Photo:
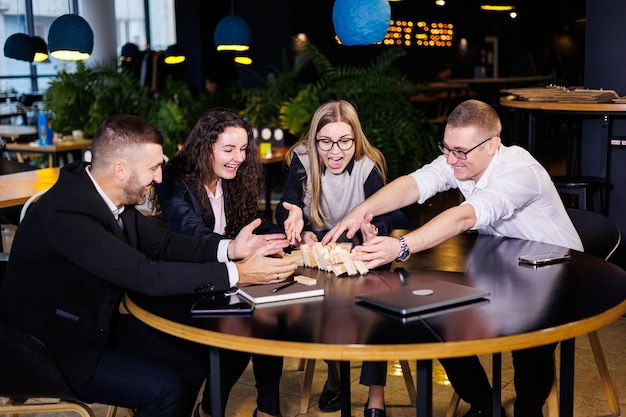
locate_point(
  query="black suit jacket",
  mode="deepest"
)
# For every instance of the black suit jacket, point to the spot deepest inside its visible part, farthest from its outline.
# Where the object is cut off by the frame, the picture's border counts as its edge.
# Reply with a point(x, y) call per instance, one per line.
point(182, 210)
point(70, 264)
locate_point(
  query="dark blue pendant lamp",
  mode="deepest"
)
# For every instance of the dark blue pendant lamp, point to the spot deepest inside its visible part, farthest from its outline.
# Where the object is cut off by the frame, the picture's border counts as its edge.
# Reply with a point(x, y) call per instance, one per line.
point(174, 54)
point(130, 52)
point(19, 46)
point(70, 38)
point(232, 33)
point(40, 48)
point(361, 22)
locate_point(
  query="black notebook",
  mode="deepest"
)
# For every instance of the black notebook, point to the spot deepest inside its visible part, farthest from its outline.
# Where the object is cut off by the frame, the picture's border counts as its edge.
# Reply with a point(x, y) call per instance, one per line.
point(265, 293)
point(423, 297)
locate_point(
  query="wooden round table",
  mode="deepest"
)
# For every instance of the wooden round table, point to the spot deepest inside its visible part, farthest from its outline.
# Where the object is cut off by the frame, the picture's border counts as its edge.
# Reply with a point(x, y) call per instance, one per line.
point(527, 307)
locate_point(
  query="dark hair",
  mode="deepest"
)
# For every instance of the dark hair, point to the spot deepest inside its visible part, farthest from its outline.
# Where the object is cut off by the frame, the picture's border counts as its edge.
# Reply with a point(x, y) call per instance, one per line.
point(116, 137)
point(194, 164)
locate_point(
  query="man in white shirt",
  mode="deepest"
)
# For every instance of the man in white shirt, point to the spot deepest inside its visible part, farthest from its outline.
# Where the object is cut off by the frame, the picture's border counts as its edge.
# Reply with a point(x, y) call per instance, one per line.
point(507, 193)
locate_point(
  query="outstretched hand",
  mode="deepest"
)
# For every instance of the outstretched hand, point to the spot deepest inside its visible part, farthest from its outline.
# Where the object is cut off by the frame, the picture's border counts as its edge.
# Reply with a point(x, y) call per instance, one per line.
point(351, 223)
point(377, 251)
point(246, 241)
point(294, 223)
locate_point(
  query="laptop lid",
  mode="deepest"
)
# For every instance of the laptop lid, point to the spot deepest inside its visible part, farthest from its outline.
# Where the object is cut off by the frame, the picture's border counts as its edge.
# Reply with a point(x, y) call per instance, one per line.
point(423, 297)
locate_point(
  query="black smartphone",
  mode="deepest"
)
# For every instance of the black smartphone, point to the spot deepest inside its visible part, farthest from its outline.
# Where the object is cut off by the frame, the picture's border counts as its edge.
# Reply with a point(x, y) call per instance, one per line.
point(219, 304)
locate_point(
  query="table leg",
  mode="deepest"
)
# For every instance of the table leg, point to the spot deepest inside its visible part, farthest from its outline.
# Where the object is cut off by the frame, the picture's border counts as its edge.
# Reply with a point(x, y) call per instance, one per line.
point(424, 388)
point(216, 396)
point(566, 400)
point(344, 377)
point(496, 379)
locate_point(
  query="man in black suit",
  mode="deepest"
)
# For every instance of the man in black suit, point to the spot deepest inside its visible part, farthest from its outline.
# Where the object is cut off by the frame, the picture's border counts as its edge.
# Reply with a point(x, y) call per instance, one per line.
point(83, 244)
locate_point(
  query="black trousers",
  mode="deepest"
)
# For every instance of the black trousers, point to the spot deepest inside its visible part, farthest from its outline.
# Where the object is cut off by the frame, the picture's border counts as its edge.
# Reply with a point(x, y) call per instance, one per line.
point(147, 371)
point(156, 374)
point(533, 378)
point(267, 372)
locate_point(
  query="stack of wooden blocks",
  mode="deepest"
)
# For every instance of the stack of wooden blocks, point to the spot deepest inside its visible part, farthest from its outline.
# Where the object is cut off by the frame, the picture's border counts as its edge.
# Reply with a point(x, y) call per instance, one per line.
point(334, 257)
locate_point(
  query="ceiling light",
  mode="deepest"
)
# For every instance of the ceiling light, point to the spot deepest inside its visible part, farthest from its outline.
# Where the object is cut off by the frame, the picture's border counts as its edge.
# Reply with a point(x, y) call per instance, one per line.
point(232, 34)
point(40, 48)
point(19, 46)
point(129, 52)
point(497, 7)
point(243, 60)
point(174, 54)
point(70, 38)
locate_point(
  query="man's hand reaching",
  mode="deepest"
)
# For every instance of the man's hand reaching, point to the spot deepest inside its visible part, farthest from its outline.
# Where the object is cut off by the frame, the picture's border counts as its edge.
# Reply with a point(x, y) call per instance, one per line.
point(246, 241)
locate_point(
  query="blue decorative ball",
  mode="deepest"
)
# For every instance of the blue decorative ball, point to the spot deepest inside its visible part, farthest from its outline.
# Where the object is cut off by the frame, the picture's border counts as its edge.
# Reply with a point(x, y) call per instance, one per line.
point(361, 22)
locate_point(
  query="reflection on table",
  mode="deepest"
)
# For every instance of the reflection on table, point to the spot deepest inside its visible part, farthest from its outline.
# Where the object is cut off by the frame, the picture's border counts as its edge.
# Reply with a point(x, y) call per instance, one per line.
point(527, 307)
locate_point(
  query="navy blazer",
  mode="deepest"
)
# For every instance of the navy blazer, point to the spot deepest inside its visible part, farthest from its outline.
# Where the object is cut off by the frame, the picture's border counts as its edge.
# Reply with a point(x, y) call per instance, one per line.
point(182, 211)
point(71, 262)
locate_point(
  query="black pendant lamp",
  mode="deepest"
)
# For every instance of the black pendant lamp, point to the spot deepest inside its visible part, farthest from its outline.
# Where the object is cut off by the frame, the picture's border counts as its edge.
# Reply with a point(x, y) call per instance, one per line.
point(40, 48)
point(174, 54)
point(19, 46)
point(70, 38)
point(130, 52)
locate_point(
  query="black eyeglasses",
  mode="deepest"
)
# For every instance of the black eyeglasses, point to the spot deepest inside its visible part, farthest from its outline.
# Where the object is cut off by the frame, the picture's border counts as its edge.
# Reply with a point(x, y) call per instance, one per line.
point(344, 144)
point(458, 154)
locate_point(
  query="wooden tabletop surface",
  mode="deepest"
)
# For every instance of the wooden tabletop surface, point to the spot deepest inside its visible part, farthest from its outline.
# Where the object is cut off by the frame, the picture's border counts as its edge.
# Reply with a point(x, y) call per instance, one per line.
point(16, 188)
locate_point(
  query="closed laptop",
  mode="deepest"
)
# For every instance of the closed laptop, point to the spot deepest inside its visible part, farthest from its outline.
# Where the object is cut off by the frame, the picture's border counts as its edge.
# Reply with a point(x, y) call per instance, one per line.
point(423, 297)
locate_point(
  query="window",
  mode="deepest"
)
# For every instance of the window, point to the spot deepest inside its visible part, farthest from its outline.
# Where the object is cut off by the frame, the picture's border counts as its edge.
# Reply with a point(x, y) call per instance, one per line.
point(17, 77)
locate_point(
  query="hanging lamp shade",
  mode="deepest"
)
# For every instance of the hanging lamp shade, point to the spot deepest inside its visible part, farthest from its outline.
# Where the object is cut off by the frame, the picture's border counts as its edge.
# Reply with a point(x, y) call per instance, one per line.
point(40, 48)
point(70, 38)
point(174, 54)
point(361, 22)
point(130, 52)
point(232, 33)
point(19, 46)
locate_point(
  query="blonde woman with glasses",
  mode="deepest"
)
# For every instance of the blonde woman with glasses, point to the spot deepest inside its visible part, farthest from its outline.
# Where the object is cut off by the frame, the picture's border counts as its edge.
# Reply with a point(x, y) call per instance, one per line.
point(332, 170)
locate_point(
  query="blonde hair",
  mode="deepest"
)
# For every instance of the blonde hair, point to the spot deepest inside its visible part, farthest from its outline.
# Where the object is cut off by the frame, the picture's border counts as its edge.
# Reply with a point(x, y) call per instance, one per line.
point(333, 112)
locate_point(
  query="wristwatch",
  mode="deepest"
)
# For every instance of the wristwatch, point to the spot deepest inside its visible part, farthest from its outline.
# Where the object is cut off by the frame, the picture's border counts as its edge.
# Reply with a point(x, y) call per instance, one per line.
point(404, 250)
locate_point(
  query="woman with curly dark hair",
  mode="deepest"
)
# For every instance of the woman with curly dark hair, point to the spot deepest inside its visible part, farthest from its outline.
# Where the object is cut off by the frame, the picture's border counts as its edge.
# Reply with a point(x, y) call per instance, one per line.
point(212, 186)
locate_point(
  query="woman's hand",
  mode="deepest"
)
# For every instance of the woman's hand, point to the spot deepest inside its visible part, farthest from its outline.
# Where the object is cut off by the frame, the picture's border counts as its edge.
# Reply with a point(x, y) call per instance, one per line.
point(309, 238)
point(294, 223)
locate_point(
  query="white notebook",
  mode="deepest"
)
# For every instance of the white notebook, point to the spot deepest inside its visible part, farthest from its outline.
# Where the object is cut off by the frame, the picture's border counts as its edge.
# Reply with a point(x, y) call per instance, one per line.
point(264, 293)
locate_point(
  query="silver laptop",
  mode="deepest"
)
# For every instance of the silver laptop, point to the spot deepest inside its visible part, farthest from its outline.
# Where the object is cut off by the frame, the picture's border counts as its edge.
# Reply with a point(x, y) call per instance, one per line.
point(423, 297)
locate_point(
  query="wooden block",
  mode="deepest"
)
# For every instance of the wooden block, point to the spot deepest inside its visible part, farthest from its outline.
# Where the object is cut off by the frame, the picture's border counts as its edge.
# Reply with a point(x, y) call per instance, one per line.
point(360, 266)
point(348, 263)
point(296, 255)
point(305, 280)
point(339, 269)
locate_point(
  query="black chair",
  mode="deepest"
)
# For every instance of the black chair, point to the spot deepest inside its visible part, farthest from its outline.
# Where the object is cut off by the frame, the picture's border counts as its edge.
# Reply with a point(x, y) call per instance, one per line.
point(28, 371)
point(584, 189)
point(600, 237)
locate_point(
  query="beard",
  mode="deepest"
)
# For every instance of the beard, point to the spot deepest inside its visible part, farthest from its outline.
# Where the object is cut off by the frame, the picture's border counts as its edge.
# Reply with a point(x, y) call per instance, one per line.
point(134, 192)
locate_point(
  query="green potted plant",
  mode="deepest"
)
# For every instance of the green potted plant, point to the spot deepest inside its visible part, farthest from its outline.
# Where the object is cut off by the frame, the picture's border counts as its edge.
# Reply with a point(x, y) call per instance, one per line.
point(82, 99)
